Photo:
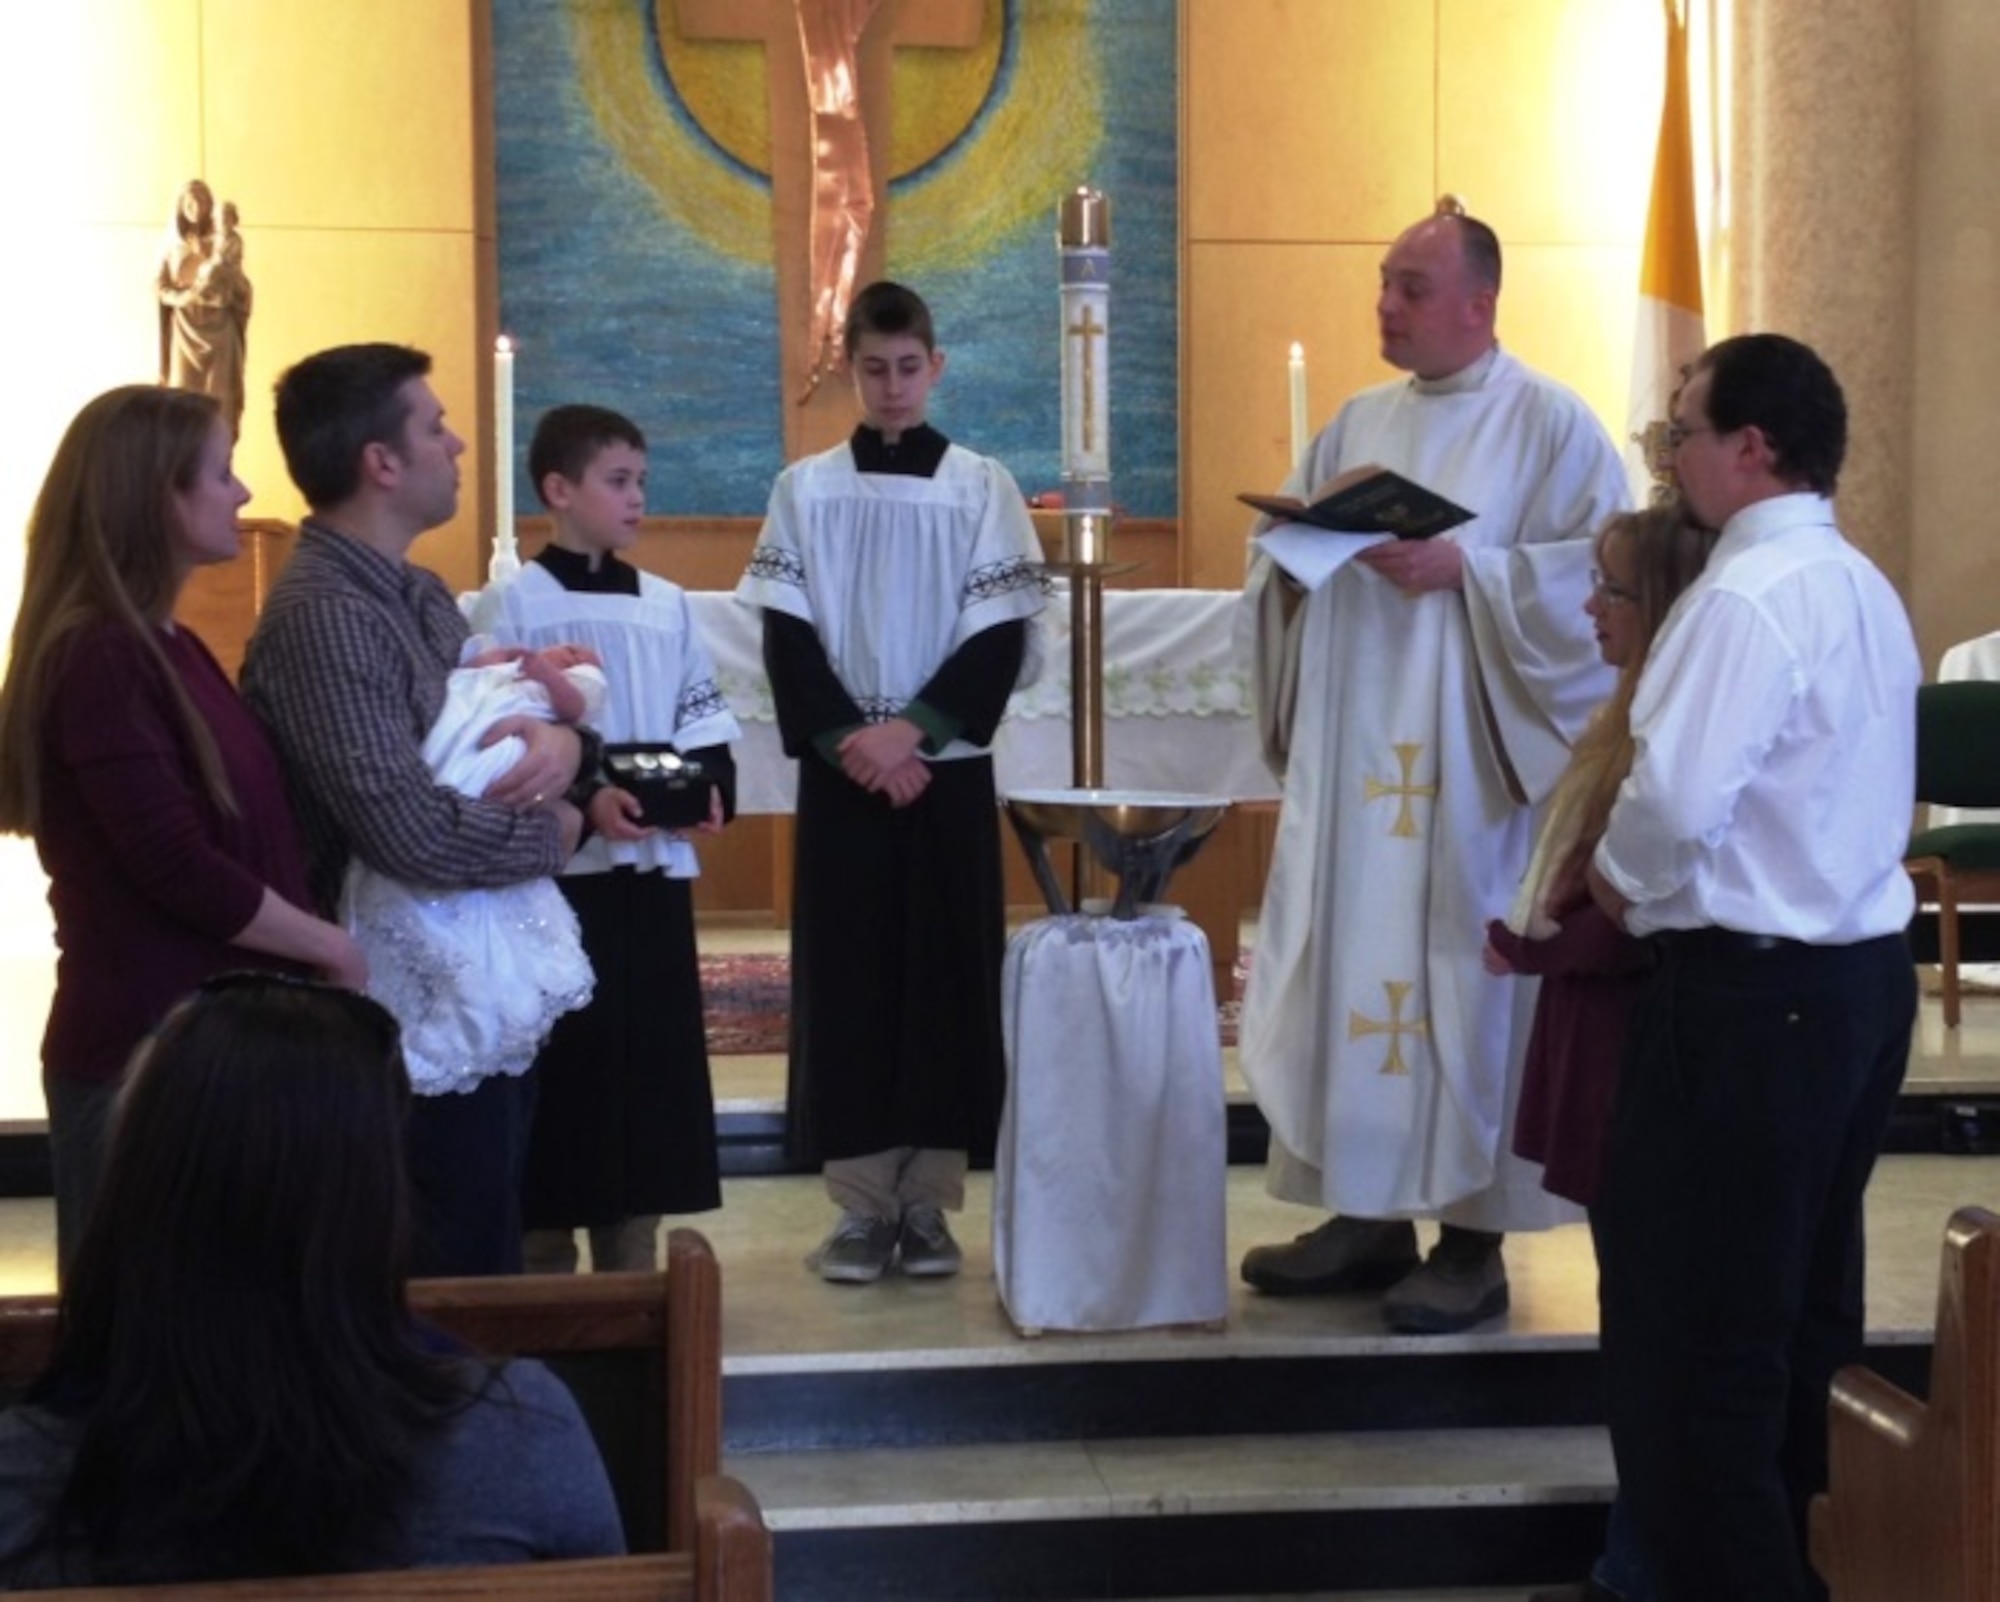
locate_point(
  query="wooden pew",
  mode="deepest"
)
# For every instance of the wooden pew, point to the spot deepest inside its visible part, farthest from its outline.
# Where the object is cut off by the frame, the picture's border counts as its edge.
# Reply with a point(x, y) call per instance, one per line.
point(729, 1562)
point(1913, 1504)
point(641, 1352)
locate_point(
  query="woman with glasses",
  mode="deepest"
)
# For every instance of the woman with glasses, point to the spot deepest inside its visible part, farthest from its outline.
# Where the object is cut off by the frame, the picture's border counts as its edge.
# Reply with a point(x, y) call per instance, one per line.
point(155, 800)
point(239, 1388)
point(1591, 970)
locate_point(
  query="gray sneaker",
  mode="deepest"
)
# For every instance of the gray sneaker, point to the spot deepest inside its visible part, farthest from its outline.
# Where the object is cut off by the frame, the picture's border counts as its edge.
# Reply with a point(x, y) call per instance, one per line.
point(857, 1252)
point(925, 1248)
point(1343, 1254)
point(1463, 1282)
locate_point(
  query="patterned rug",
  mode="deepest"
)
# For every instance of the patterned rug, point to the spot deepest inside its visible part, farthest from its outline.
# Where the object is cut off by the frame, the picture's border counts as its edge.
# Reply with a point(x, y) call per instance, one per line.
point(747, 1002)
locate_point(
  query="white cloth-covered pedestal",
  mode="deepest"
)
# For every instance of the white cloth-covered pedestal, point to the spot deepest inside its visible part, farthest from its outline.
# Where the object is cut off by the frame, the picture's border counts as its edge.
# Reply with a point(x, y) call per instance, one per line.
point(1108, 1186)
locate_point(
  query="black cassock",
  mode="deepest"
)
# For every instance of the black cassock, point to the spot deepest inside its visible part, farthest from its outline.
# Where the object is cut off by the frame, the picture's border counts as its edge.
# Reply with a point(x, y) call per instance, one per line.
point(899, 925)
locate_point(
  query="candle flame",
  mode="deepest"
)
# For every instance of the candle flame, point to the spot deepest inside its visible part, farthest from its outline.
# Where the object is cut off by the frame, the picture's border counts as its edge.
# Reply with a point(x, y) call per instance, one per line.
point(503, 346)
point(1298, 351)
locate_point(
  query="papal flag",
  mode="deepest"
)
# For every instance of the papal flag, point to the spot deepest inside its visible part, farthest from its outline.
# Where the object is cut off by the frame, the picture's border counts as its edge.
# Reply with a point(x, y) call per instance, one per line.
point(1669, 334)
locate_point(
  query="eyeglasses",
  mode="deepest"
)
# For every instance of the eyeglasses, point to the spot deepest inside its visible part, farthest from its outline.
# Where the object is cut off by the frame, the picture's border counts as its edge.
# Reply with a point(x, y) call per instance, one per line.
point(1678, 434)
point(1605, 593)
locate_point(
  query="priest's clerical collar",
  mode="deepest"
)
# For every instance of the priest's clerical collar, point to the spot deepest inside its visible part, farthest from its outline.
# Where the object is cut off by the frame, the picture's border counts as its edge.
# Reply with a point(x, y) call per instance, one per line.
point(1470, 376)
point(915, 455)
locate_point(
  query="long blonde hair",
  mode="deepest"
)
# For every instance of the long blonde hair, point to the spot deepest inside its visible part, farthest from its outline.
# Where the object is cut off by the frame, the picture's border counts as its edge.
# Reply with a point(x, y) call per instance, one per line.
point(100, 548)
point(1668, 553)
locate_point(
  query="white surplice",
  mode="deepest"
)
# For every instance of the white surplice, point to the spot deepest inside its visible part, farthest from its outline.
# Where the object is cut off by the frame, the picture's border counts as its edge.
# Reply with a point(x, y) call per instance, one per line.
point(895, 573)
point(1409, 731)
point(652, 651)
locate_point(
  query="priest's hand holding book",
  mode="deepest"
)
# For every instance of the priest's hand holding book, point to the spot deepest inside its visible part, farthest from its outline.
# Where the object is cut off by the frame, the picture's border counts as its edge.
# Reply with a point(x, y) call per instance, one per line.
point(1417, 567)
point(1368, 514)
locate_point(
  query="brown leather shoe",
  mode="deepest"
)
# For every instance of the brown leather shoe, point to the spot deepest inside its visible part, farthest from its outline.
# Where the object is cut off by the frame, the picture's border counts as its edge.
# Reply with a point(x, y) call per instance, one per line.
point(1463, 1282)
point(1343, 1254)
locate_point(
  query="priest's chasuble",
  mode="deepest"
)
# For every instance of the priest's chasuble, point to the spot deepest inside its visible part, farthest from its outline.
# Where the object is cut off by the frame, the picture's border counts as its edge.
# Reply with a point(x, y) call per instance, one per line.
point(1414, 736)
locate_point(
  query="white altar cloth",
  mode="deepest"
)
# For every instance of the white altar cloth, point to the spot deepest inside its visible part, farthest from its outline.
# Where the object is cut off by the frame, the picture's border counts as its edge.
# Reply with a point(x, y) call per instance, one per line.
point(1177, 709)
point(1109, 1179)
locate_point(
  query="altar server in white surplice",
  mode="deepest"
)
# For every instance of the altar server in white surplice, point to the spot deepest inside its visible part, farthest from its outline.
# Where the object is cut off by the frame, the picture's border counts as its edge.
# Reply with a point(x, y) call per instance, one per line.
point(1416, 705)
point(898, 576)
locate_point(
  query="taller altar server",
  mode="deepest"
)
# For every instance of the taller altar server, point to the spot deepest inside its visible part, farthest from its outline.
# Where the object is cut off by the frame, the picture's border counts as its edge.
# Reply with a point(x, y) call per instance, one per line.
point(898, 574)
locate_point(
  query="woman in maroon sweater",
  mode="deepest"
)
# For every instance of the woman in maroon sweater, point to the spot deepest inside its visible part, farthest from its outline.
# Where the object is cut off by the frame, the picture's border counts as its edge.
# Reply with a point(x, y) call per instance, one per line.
point(155, 800)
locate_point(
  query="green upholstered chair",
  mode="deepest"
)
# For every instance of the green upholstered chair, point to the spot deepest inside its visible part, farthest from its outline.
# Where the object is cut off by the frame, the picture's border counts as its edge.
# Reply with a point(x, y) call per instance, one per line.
point(1958, 765)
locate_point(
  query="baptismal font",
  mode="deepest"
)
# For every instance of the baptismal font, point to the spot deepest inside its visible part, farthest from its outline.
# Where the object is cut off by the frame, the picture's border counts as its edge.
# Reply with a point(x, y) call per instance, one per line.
point(1108, 1183)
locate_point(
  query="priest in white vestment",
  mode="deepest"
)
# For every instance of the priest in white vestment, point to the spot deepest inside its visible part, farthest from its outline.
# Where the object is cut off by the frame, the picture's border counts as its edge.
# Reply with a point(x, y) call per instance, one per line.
point(1417, 705)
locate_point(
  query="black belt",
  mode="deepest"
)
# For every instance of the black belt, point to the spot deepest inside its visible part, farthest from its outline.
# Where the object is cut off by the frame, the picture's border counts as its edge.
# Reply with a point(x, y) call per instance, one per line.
point(1722, 942)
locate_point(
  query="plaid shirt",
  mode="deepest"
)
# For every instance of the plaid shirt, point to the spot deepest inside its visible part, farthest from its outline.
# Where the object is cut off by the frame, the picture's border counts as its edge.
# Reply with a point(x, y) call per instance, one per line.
point(347, 668)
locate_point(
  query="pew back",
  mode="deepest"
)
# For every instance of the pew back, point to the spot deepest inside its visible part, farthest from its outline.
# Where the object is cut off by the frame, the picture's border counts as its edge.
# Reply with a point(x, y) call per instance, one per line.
point(730, 1561)
point(1913, 1485)
point(642, 1353)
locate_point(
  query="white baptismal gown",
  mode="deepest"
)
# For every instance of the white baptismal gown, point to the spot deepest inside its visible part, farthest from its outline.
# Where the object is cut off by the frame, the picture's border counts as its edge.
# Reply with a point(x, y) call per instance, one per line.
point(476, 977)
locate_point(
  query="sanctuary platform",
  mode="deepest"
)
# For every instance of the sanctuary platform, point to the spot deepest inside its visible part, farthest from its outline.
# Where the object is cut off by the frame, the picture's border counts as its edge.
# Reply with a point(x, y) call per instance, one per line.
point(904, 1442)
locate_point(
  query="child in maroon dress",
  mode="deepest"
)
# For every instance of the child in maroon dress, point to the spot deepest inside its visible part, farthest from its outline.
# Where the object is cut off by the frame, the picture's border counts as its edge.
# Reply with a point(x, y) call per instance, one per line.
point(1591, 970)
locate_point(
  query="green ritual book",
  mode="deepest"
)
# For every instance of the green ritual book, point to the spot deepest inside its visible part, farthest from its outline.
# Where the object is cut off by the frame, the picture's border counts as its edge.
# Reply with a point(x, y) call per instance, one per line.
point(1367, 500)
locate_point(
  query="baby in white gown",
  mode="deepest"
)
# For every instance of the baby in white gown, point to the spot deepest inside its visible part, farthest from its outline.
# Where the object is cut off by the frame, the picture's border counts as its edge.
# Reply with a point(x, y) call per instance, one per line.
point(477, 978)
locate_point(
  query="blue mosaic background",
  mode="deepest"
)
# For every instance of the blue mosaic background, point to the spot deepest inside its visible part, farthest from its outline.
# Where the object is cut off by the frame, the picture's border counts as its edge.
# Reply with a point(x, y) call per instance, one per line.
point(614, 301)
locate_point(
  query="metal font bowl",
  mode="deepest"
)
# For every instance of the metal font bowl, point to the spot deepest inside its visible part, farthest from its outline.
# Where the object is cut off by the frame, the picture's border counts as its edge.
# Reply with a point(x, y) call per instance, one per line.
point(1128, 814)
point(1140, 836)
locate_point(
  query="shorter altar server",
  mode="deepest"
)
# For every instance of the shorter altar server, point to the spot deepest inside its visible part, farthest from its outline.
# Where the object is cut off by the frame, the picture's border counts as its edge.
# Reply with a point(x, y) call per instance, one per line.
point(624, 1129)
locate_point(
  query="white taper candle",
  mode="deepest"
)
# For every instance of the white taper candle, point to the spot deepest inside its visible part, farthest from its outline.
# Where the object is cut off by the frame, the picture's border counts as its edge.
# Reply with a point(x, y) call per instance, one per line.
point(1300, 426)
point(506, 554)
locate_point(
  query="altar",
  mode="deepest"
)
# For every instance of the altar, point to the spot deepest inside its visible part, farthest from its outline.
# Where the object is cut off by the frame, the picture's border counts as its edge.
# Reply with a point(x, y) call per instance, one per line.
point(1177, 712)
point(1177, 717)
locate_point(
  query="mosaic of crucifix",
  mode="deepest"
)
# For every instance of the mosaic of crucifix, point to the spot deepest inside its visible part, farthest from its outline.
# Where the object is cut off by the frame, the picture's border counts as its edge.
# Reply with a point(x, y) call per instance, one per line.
point(828, 63)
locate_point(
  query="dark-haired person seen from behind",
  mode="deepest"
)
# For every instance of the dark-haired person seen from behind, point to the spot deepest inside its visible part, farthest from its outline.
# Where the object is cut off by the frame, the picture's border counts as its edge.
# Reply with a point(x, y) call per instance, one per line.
point(238, 1388)
point(1759, 843)
point(156, 801)
point(348, 666)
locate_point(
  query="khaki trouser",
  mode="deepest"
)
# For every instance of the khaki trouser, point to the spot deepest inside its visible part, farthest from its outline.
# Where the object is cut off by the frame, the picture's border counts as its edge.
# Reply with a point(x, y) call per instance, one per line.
point(886, 1184)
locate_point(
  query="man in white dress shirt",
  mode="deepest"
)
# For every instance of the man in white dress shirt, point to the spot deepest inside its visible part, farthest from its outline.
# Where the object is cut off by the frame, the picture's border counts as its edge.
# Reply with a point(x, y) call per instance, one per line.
point(1759, 841)
point(1412, 702)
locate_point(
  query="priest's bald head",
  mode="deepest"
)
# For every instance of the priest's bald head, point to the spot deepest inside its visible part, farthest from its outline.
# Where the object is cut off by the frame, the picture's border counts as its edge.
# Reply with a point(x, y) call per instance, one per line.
point(1440, 294)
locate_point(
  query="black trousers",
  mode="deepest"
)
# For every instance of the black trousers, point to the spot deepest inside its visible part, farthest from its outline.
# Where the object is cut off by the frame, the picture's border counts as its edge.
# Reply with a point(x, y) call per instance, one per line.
point(466, 1153)
point(1757, 1087)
